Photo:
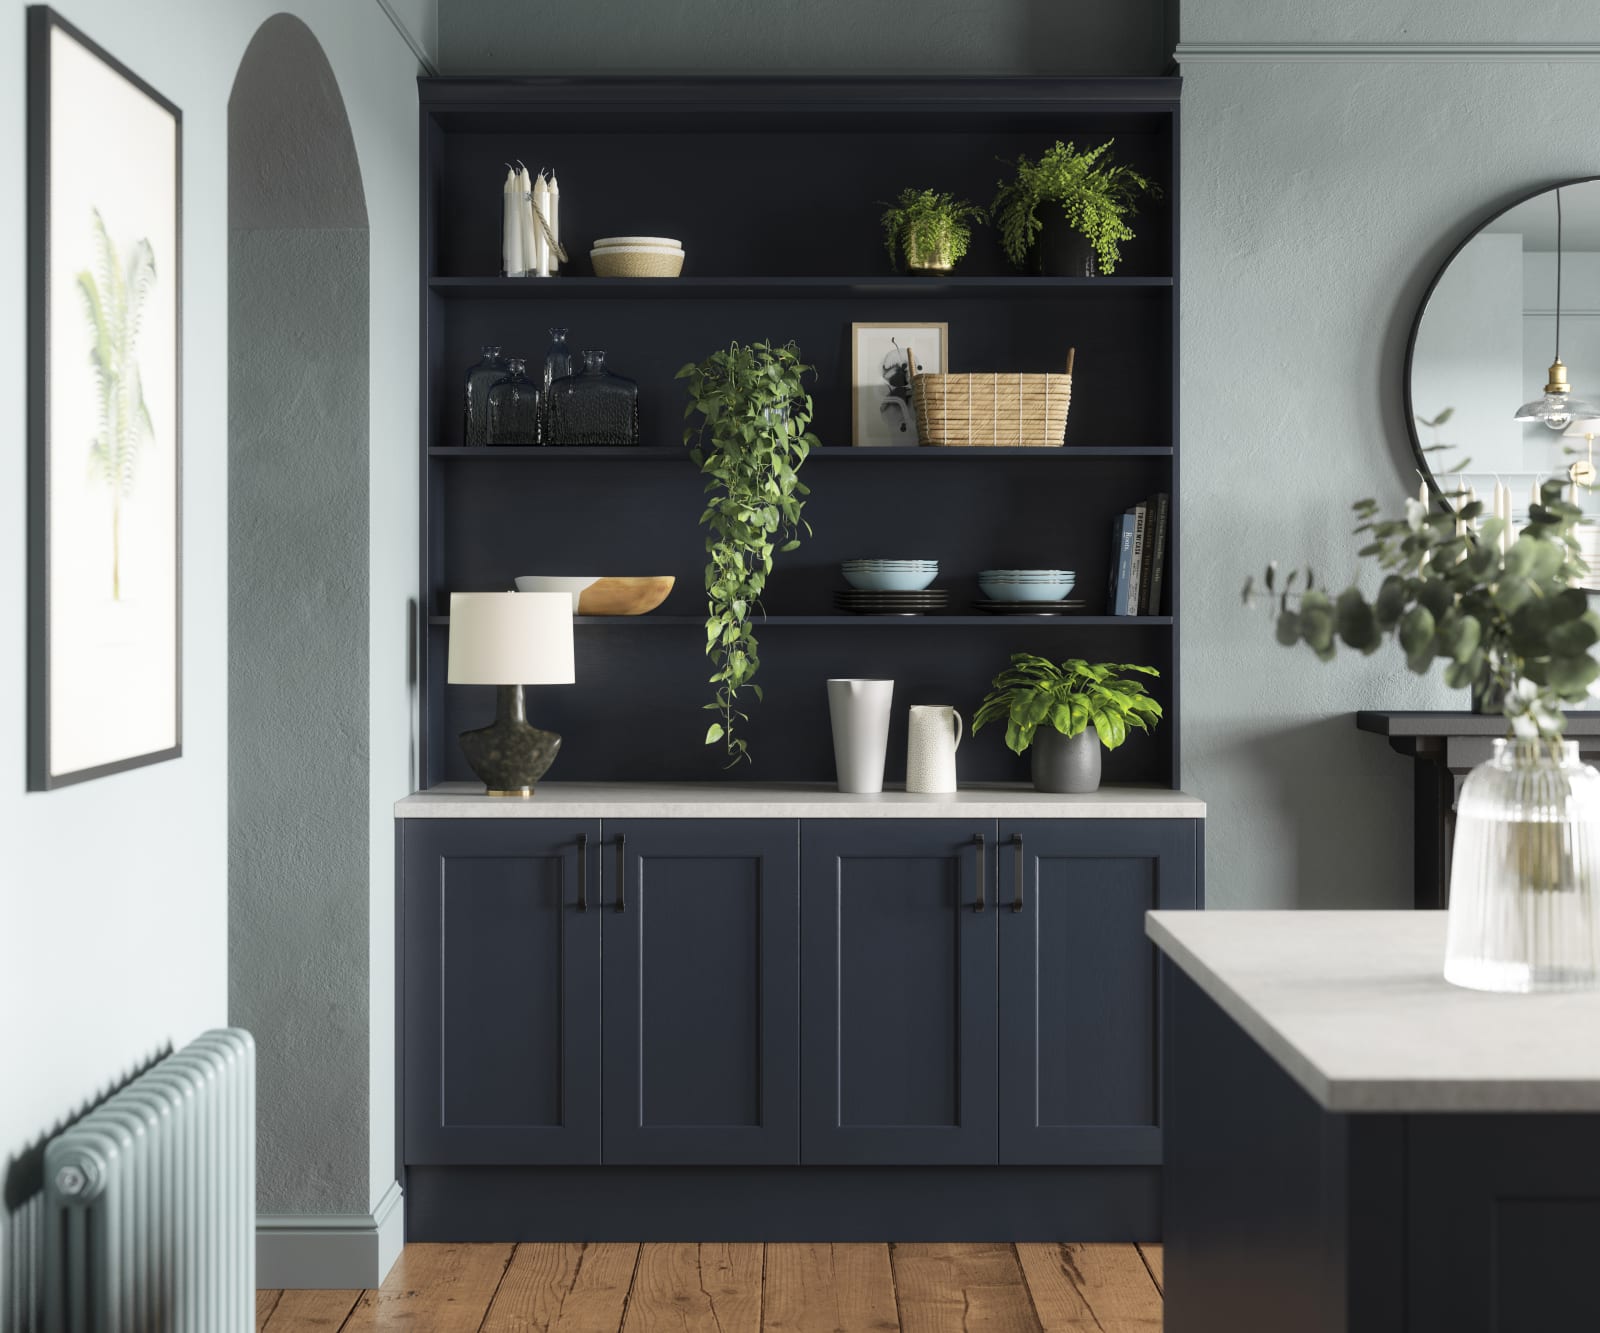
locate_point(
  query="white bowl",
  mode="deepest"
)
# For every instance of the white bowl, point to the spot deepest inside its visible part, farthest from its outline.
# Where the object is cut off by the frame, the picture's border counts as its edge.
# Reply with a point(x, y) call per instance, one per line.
point(637, 250)
point(547, 583)
point(605, 242)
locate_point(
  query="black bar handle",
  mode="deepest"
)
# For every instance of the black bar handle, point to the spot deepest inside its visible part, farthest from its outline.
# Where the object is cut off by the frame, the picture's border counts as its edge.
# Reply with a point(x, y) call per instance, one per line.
point(622, 872)
point(983, 856)
point(1016, 843)
point(583, 872)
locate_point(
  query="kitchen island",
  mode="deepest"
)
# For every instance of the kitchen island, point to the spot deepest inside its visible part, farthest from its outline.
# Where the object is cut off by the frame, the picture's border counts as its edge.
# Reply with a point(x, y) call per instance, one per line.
point(1354, 1144)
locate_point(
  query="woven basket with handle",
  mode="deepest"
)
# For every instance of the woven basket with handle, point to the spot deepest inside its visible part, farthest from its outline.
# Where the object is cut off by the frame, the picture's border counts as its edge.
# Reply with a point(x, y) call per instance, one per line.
point(994, 410)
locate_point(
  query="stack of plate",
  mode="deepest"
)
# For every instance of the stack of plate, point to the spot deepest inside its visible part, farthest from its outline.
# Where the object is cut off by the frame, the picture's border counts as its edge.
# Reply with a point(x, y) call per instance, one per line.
point(637, 257)
point(891, 603)
point(1034, 592)
point(890, 575)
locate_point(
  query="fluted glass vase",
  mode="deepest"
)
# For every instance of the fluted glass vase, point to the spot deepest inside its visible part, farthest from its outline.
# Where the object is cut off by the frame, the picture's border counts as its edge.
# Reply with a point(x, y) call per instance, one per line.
point(1525, 878)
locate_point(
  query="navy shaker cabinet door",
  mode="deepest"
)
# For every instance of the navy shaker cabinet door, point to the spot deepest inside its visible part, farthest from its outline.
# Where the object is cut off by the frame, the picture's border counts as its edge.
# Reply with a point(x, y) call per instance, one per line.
point(899, 991)
point(1078, 978)
point(702, 977)
point(500, 939)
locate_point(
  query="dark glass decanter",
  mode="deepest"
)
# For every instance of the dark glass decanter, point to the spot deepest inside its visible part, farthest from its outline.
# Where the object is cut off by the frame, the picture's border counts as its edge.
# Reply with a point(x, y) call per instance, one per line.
point(514, 404)
point(482, 375)
point(593, 407)
point(558, 360)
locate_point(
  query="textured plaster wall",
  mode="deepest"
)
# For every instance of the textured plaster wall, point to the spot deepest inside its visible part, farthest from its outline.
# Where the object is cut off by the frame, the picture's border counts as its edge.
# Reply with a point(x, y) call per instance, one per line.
point(805, 36)
point(1422, 21)
point(114, 900)
point(298, 664)
point(1319, 197)
point(297, 619)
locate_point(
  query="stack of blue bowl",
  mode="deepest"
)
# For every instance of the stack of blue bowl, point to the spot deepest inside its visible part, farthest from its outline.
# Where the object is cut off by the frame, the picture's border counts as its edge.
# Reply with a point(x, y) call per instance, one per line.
point(1036, 591)
point(890, 587)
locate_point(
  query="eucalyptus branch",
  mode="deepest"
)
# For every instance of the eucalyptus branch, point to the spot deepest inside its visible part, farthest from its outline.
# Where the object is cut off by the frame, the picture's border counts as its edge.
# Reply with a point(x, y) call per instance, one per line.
point(1509, 624)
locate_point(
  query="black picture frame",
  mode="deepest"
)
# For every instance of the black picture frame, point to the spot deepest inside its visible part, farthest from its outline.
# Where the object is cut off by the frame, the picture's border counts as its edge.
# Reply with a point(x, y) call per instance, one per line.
point(42, 774)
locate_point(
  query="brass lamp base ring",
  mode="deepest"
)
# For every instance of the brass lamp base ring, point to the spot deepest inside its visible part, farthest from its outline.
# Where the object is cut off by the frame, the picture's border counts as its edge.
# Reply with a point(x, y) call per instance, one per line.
point(524, 793)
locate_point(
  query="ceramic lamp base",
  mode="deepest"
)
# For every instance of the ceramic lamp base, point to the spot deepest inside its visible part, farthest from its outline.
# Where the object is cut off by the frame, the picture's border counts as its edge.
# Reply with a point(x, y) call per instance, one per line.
point(510, 756)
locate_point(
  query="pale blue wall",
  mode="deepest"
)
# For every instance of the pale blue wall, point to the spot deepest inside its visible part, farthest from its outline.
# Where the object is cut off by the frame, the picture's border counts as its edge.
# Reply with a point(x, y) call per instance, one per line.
point(1322, 189)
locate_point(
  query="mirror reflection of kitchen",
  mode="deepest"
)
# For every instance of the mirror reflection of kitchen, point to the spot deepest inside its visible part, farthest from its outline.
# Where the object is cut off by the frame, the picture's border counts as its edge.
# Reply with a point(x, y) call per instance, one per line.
point(1490, 351)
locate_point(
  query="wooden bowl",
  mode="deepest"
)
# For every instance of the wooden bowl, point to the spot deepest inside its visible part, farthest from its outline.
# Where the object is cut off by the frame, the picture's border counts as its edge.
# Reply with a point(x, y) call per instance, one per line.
point(624, 597)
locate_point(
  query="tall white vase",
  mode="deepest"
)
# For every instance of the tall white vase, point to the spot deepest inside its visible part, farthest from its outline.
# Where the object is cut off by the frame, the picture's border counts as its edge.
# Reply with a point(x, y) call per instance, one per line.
point(859, 711)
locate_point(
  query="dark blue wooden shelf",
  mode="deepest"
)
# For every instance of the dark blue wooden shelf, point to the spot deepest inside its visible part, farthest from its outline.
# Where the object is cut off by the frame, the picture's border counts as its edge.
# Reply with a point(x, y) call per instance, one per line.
point(829, 452)
point(514, 289)
point(877, 622)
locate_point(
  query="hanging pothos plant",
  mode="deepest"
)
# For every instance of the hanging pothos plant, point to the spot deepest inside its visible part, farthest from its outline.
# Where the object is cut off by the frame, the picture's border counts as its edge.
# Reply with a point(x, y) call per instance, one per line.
point(750, 442)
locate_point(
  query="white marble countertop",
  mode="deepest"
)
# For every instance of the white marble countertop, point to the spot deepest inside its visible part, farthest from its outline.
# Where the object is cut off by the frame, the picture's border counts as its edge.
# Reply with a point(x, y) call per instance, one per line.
point(754, 800)
point(1355, 1007)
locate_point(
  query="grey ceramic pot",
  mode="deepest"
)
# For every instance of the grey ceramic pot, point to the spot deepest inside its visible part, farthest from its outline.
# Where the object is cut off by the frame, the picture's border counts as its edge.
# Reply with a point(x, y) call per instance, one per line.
point(1071, 766)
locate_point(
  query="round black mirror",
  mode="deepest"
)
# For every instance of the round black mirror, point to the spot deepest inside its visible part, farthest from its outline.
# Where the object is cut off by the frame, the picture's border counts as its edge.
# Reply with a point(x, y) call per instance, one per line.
point(1503, 366)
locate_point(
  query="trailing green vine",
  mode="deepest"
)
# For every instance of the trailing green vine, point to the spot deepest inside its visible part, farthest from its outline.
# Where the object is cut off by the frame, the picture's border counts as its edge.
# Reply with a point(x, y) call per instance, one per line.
point(750, 443)
point(1095, 195)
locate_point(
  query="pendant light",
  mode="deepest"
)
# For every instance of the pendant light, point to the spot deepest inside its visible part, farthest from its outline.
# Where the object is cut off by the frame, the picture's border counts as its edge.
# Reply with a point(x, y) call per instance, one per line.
point(1557, 408)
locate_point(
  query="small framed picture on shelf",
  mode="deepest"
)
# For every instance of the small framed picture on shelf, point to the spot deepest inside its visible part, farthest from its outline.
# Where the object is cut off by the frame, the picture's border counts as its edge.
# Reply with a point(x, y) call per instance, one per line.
point(881, 379)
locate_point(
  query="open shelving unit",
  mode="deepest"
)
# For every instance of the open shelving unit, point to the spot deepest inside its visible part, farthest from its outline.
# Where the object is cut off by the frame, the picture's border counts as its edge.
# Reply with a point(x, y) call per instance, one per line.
point(775, 187)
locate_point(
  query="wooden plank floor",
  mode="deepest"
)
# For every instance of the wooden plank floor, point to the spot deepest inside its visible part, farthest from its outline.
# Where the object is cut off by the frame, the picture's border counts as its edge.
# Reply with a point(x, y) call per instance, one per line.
point(993, 1288)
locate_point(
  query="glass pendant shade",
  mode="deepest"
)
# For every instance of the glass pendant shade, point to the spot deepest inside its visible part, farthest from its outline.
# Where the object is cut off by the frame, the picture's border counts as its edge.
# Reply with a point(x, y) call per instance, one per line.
point(1558, 407)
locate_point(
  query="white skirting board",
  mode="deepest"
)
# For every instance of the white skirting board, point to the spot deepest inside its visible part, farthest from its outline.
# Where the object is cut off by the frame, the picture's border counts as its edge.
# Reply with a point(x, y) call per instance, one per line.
point(331, 1250)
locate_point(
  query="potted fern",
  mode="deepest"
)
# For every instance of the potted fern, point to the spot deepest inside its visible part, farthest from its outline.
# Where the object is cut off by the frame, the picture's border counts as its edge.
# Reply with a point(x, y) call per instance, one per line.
point(930, 229)
point(750, 442)
point(1085, 200)
point(1066, 714)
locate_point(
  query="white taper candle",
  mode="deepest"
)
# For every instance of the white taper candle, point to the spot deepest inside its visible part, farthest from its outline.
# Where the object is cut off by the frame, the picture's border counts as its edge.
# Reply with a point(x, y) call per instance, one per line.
point(511, 227)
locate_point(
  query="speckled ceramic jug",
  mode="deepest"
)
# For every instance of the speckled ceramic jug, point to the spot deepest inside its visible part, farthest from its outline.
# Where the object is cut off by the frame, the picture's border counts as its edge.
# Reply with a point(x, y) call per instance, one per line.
point(933, 736)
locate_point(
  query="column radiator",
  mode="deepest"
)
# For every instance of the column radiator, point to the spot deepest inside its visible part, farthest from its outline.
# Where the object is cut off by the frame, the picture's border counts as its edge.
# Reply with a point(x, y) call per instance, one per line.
point(149, 1213)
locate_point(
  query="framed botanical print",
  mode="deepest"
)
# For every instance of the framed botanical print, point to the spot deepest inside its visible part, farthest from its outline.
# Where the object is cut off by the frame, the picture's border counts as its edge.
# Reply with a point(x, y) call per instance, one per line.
point(881, 381)
point(104, 428)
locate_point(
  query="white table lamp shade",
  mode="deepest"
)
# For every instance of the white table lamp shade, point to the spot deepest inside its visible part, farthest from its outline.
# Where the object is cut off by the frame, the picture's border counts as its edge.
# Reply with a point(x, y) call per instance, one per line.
point(510, 638)
point(1583, 426)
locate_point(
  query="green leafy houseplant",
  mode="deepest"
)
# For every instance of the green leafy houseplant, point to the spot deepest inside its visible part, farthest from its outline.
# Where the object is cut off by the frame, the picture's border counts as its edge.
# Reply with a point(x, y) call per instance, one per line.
point(1096, 197)
point(929, 228)
point(750, 442)
point(113, 303)
point(1072, 697)
point(1503, 615)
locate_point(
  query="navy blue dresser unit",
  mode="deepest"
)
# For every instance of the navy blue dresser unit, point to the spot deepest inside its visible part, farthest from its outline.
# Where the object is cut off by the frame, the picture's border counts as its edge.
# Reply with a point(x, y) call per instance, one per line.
point(922, 1019)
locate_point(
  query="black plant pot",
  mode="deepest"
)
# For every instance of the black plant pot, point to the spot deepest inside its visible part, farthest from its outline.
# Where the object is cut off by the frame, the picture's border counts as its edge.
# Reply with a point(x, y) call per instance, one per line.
point(1062, 251)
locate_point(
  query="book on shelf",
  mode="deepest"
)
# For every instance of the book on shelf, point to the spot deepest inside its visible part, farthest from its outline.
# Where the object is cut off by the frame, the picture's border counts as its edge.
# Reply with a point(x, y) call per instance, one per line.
point(1121, 563)
point(1140, 514)
point(1158, 554)
point(1138, 558)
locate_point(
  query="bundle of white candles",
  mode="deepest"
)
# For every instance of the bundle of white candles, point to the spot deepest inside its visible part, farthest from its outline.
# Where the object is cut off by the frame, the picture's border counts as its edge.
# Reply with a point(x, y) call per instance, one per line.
point(531, 224)
point(1465, 495)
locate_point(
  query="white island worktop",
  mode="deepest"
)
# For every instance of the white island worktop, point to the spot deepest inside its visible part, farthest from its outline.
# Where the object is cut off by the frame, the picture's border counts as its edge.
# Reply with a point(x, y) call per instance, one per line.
point(1355, 1008)
point(756, 800)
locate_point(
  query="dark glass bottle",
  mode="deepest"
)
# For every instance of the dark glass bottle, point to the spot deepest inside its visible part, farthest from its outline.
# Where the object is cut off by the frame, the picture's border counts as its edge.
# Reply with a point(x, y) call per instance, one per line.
point(481, 377)
point(558, 360)
point(514, 407)
point(593, 407)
